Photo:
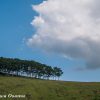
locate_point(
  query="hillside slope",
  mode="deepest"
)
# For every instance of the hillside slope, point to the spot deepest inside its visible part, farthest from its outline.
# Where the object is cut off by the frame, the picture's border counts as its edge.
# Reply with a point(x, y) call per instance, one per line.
point(36, 89)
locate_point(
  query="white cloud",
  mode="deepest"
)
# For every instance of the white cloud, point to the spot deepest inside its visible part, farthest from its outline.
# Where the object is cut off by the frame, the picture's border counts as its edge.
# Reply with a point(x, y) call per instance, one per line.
point(70, 28)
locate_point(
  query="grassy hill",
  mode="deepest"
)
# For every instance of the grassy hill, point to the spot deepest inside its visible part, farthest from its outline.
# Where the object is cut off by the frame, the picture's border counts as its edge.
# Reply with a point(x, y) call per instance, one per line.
point(36, 89)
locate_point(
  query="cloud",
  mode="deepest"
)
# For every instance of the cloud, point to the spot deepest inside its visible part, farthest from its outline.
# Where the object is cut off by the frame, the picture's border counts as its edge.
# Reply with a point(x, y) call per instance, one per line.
point(70, 28)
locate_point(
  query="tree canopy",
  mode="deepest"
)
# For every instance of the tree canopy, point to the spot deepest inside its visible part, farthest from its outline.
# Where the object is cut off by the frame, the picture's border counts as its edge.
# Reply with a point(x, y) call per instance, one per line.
point(28, 68)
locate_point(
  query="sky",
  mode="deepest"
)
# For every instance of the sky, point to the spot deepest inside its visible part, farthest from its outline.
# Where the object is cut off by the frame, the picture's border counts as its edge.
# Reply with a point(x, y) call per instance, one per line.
point(63, 33)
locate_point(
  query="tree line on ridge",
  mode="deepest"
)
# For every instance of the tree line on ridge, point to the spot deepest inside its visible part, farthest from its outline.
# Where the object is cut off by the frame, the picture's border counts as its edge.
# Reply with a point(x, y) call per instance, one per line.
point(28, 68)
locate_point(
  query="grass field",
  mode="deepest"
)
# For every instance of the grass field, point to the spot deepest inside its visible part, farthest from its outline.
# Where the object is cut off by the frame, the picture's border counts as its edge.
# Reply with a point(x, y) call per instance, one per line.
point(35, 89)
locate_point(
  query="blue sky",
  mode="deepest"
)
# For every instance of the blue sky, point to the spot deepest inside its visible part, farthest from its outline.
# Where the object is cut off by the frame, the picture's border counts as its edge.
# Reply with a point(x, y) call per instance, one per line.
point(15, 29)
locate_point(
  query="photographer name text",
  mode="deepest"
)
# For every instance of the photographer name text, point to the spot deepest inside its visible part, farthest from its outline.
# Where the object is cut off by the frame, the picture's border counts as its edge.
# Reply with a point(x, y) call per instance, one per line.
point(12, 96)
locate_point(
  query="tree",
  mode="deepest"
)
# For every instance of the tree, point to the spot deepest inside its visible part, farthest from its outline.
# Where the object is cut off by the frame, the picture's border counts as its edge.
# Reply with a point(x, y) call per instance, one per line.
point(31, 68)
point(57, 72)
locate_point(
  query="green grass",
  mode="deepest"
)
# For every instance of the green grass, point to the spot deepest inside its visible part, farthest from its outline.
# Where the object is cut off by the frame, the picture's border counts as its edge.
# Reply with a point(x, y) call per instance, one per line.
point(36, 89)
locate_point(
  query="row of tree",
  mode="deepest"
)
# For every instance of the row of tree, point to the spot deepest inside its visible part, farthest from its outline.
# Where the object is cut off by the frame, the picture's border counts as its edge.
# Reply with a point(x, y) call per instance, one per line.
point(28, 68)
